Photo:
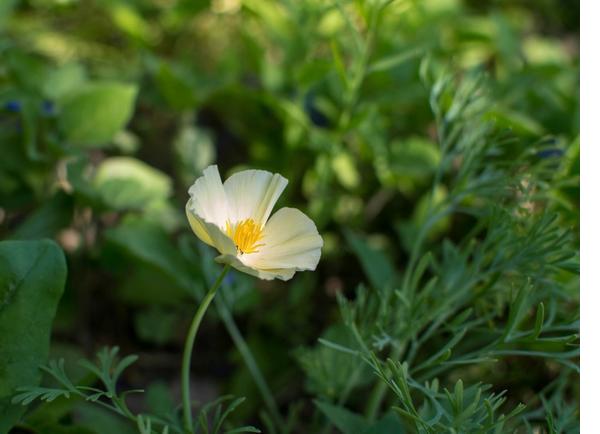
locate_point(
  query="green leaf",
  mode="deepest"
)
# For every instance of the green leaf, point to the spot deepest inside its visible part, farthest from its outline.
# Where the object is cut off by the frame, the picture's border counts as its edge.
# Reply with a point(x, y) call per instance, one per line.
point(344, 420)
point(395, 60)
point(516, 312)
point(150, 244)
point(156, 325)
point(60, 429)
point(95, 113)
point(459, 395)
point(345, 170)
point(539, 321)
point(127, 19)
point(158, 399)
point(416, 157)
point(127, 183)
point(6, 10)
point(195, 150)
point(520, 123)
point(376, 265)
point(389, 424)
point(102, 421)
point(55, 214)
point(427, 214)
point(63, 81)
point(243, 429)
point(175, 87)
point(332, 367)
point(32, 279)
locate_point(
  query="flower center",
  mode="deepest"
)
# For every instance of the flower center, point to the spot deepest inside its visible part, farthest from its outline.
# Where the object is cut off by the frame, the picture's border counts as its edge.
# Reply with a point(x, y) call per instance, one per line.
point(245, 234)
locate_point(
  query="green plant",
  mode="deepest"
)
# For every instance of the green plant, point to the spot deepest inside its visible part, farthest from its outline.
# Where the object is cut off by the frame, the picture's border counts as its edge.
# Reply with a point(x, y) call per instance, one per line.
point(434, 143)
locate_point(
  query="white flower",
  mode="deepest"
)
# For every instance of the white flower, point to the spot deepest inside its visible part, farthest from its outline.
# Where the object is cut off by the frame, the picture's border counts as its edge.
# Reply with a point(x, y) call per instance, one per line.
point(234, 218)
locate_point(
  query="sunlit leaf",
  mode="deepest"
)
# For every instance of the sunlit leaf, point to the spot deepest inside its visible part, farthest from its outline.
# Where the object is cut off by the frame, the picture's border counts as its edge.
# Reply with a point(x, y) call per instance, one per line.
point(127, 183)
point(93, 114)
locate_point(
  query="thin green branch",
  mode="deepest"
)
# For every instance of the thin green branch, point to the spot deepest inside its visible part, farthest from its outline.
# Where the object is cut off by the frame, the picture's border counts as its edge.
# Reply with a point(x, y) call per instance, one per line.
point(189, 346)
point(250, 361)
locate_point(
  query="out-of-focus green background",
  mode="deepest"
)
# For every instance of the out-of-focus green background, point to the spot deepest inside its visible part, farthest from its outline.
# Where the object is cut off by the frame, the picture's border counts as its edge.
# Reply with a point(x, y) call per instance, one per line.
point(109, 109)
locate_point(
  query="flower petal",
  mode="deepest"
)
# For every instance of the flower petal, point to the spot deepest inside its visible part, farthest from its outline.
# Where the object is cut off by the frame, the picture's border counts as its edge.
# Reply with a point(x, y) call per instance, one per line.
point(208, 199)
point(251, 194)
point(234, 261)
point(291, 241)
point(210, 233)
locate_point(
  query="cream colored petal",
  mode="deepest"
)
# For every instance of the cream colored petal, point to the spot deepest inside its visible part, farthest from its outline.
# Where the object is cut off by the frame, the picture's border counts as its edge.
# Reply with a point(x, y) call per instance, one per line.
point(210, 233)
point(252, 194)
point(208, 199)
point(270, 274)
point(291, 241)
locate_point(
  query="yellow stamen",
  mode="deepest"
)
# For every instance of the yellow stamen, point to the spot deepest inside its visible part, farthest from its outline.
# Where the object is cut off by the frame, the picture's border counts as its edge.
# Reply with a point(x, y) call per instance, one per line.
point(245, 234)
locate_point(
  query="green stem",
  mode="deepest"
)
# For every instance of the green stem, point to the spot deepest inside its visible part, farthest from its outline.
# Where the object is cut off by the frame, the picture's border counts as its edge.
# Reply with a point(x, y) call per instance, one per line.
point(189, 346)
point(250, 362)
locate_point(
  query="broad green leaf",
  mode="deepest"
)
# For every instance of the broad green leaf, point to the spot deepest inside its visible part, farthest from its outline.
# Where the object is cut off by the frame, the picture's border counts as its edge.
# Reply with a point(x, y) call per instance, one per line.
point(96, 112)
point(155, 325)
point(129, 21)
point(146, 285)
point(64, 80)
point(150, 244)
point(102, 421)
point(55, 214)
point(32, 279)
point(195, 151)
point(29, 71)
point(543, 51)
point(159, 400)
point(331, 23)
point(343, 419)
point(376, 265)
point(6, 10)
point(415, 157)
point(272, 15)
point(127, 183)
point(345, 170)
point(175, 87)
point(389, 424)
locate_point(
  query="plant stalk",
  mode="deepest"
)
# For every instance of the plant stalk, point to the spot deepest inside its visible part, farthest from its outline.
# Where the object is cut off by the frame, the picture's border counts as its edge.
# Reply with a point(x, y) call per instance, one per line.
point(189, 346)
point(250, 362)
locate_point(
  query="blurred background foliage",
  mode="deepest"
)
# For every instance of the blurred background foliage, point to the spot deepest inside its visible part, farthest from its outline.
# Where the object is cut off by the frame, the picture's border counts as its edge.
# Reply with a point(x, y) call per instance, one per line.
point(109, 109)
